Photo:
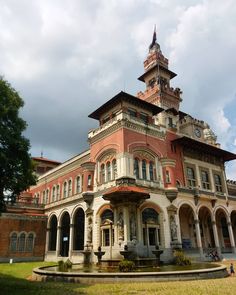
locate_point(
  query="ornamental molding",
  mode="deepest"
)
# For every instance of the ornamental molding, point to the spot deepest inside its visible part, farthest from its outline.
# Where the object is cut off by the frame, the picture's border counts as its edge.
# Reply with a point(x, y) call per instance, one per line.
point(144, 154)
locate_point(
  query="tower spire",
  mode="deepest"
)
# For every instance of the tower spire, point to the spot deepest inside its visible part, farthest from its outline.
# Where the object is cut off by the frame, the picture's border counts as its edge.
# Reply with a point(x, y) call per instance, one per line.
point(154, 38)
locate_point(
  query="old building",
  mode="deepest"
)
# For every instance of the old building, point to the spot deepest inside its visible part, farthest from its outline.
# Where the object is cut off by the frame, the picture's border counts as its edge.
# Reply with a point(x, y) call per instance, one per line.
point(153, 175)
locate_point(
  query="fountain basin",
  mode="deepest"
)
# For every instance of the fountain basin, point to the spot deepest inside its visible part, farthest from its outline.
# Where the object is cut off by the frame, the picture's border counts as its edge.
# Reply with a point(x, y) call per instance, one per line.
point(45, 274)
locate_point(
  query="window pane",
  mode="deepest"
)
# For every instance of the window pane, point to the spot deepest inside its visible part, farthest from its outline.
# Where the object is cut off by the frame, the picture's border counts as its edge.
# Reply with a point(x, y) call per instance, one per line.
point(144, 171)
point(29, 243)
point(13, 242)
point(136, 168)
point(151, 171)
point(22, 243)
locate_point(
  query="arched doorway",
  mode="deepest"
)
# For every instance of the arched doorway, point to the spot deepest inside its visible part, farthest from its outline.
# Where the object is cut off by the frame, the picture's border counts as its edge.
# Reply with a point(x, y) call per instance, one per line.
point(223, 232)
point(79, 218)
point(151, 227)
point(187, 227)
point(65, 234)
point(206, 229)
point(107, 228)
point(52, 234)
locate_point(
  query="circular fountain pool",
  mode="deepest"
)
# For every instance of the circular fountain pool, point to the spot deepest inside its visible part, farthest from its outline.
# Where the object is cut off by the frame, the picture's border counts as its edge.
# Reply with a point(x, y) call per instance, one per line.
point(79, 274)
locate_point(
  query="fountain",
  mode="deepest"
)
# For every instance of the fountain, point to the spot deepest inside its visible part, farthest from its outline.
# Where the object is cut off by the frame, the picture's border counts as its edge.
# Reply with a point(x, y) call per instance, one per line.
point(99, 255)
point(157, 253)
point(126, 252)
point(87, 255)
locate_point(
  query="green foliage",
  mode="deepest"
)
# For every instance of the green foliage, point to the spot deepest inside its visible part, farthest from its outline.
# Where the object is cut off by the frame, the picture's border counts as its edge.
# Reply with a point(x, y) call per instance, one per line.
point(64, 266)
point(181, 259)
point(126, 266)
point(16, 166)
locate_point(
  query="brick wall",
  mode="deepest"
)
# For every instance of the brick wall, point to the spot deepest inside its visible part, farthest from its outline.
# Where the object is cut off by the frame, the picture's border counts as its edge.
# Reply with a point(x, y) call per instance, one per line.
point(10, 222)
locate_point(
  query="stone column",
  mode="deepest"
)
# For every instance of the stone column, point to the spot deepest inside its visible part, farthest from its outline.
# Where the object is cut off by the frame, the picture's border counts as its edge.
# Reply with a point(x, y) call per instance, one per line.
point(116, 238)
point(139, 225)
point(231, 237)
point(216, 238)
point(71, 239)
point(198, 176)
point(148, 171)
point(58, 247)
point(198, 236)
point(126, 224)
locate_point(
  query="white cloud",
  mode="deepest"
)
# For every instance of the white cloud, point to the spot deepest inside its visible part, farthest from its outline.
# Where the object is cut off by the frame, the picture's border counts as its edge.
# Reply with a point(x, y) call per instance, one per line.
point(67, 57)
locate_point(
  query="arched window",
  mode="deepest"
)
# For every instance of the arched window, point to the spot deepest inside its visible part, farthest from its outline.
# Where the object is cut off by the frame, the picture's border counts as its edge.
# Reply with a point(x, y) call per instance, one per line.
point(44, 197)
point(70, 188)
point(144, 171)
point(107, 230)
point(21, 243)
point(89, 180)
point(30, 242)
point(151, 228)
point(78, 185)
point(151, 171)
point(136, 168)
point(47, 196)
point(65, 190)
point(108, 171)
point(54, 194)
point(13, 242)
point(102, 173)
point(58, 192)
point(114, 169)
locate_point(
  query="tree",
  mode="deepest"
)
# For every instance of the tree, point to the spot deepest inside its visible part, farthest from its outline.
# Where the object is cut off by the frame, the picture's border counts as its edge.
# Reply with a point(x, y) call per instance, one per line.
point(16, 165)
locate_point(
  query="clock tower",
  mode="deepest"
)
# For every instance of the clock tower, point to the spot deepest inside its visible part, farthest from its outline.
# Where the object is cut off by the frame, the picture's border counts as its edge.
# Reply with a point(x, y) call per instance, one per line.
point(157, 77)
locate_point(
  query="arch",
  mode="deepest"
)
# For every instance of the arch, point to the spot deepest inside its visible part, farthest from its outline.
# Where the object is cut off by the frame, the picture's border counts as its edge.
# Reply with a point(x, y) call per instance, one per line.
point(205, 218)
point(103, 208)
point(78, 219)
point(220, 207)
point(65, 233)
point(141, 145)
point(191, 205)
point(108, 150)
point(149, 204)
point(187, 225)
point(52, 233)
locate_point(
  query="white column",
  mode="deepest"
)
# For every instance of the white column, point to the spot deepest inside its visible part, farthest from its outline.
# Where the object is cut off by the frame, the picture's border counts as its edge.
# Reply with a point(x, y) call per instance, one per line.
point(71, 239)
point(139, 225)
point(198, 236)
point(198, 177)
point(231, 236)
point(58, 247)
point(126, 224)
point(116, 239)
point(216, 237)
point(147, 171)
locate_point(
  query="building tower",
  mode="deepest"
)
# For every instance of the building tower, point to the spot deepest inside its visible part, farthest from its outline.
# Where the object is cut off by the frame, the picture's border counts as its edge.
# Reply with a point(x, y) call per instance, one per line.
point(157, 78)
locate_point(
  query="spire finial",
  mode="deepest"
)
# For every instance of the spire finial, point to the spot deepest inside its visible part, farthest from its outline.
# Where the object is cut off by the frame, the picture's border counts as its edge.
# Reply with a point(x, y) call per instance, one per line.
point(154, 38)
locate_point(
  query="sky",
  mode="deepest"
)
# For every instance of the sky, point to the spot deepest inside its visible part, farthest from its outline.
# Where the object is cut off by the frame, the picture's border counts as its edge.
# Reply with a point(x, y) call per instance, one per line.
point(68, 57)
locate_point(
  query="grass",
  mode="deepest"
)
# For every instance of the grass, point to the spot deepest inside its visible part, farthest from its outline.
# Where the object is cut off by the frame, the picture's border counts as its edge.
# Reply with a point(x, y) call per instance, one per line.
point(13, 281)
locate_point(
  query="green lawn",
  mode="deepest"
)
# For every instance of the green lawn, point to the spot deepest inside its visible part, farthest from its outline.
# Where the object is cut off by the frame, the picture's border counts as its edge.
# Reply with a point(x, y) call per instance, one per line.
point(13, 280)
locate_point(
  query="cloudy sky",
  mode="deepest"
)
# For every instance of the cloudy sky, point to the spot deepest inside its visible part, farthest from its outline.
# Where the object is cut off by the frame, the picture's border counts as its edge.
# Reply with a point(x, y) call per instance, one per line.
point(67, 57)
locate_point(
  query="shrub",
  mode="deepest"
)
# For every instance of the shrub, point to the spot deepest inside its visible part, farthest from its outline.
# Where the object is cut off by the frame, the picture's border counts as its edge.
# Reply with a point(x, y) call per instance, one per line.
point(126, 266)
point(181, 259)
